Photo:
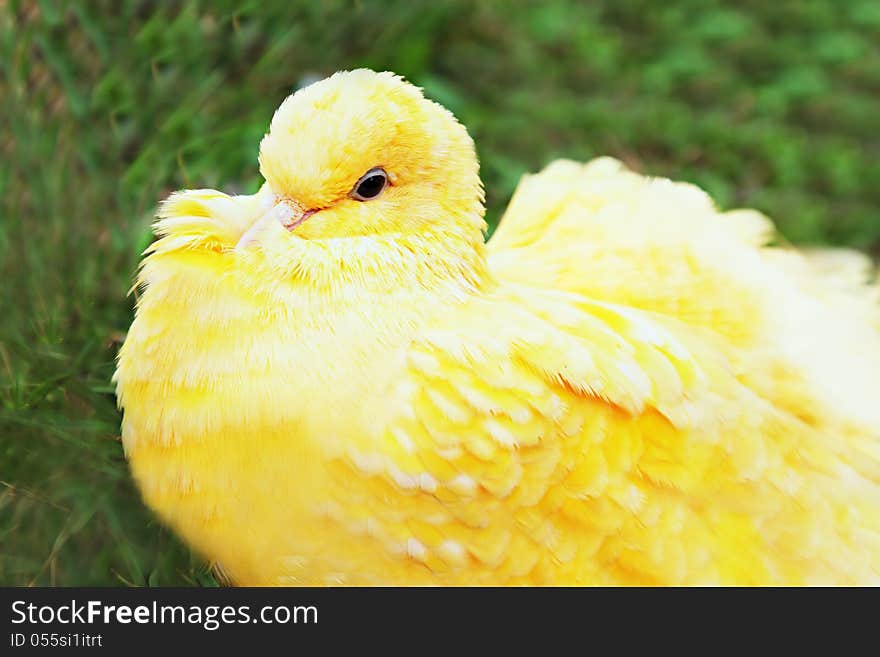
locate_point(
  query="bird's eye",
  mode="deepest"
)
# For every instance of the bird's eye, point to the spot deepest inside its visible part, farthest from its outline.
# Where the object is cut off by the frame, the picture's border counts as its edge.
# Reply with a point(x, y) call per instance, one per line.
point(370, 185)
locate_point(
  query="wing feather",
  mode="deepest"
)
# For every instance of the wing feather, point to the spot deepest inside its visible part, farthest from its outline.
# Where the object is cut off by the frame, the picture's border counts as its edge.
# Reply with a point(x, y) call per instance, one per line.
point(628, 407)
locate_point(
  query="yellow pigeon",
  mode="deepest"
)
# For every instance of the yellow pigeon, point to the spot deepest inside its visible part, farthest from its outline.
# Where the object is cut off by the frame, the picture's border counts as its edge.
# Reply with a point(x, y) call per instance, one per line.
point(337, 380)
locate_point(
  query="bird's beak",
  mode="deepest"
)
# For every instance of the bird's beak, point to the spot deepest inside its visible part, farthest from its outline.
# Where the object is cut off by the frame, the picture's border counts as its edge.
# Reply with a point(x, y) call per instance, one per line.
point(288, 213)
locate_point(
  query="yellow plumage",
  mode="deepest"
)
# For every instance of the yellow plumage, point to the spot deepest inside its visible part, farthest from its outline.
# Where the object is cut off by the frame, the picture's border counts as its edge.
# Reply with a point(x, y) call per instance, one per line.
point(624, 386)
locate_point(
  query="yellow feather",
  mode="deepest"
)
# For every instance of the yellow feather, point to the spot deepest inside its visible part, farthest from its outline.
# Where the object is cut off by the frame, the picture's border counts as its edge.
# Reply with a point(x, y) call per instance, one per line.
point(624, 386)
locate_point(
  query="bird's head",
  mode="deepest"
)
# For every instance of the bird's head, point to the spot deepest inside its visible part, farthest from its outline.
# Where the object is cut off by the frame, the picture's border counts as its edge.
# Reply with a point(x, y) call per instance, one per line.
point(362, 163)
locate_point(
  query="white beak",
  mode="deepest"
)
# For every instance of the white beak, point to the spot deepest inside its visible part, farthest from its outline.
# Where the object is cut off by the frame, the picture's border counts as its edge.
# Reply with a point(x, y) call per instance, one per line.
point(284, 212)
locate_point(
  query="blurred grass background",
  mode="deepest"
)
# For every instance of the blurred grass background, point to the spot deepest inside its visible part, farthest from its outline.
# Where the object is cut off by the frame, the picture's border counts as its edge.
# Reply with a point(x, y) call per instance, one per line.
point(109, 106)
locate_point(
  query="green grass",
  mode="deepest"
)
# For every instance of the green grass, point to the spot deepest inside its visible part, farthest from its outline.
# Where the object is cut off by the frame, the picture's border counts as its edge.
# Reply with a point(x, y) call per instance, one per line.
point(109, 106)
